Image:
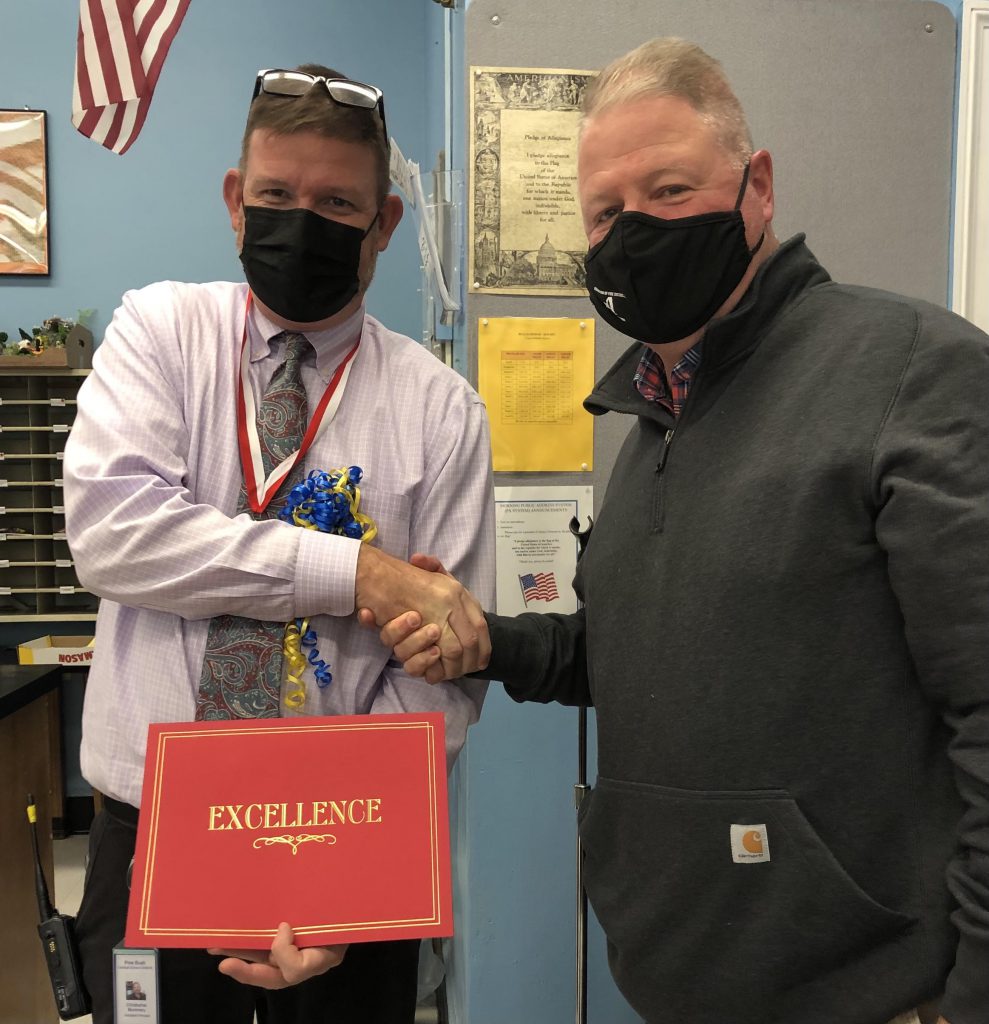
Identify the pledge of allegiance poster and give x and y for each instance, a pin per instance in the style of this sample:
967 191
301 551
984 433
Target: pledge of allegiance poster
526 233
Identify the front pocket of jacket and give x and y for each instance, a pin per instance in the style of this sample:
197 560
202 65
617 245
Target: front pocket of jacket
685 920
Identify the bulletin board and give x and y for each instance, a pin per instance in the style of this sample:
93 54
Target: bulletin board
854 99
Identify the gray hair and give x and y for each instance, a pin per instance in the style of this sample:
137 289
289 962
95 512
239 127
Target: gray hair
673 67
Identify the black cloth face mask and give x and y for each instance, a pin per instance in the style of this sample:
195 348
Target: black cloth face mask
302 266
660 280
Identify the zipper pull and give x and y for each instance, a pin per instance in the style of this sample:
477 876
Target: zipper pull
666 450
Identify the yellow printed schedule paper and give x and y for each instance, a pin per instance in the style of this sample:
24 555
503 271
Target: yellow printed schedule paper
533 374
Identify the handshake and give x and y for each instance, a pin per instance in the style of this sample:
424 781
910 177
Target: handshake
435 625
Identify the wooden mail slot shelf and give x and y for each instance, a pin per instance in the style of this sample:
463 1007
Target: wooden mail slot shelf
37 576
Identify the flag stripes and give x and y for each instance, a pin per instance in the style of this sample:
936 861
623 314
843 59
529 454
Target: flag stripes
538 586
120 50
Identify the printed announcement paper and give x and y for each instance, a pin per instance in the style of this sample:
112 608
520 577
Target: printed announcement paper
337 825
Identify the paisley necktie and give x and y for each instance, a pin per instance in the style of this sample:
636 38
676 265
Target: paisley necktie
242 669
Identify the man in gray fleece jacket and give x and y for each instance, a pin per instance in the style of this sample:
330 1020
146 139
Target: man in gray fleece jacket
786 624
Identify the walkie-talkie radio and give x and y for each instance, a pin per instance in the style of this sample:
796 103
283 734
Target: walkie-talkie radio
57 939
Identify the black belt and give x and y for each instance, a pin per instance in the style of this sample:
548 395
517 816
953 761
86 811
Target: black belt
124 813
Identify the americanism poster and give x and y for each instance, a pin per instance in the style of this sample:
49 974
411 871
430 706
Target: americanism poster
536 549
526 232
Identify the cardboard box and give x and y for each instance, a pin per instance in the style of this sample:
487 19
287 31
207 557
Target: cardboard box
56 650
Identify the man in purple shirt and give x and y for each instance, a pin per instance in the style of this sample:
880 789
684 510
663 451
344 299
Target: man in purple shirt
162 468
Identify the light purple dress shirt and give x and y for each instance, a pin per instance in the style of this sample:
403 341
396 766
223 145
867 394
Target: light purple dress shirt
152 480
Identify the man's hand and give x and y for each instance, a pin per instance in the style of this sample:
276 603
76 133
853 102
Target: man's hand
283 966
414 644
388 589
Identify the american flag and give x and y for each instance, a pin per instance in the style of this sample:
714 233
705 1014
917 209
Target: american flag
121 47
538 586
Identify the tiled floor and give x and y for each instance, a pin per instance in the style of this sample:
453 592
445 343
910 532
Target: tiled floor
70 871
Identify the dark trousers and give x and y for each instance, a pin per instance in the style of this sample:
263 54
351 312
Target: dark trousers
375 984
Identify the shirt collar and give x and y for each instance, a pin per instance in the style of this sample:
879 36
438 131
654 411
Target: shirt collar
331 344
684 369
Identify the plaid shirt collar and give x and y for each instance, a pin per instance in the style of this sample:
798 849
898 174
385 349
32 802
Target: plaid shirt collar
650 378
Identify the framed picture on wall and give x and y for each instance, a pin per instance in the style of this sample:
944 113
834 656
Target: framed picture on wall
23 192
526 235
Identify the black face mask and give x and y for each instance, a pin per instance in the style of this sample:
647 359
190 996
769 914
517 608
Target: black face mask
301 266
660 280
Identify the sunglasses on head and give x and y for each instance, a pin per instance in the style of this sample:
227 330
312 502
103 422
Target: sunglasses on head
277 82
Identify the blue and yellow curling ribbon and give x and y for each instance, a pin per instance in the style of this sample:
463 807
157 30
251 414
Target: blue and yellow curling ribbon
328 502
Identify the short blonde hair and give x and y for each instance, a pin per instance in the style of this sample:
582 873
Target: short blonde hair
674 67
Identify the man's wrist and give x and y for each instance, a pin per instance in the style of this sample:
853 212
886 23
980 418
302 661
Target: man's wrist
369 578
326 571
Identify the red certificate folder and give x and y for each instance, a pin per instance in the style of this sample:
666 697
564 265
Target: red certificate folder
338 826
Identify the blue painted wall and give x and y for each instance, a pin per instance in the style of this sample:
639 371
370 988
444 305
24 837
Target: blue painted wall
156 212
119 222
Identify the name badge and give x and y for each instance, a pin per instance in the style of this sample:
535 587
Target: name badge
135 986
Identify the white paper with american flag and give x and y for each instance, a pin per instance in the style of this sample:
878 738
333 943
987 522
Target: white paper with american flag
120 50
536 554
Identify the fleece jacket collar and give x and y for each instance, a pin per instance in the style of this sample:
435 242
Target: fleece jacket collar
791 270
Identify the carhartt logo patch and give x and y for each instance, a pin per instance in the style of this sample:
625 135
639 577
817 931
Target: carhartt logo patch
749 844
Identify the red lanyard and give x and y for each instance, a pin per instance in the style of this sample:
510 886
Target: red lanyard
260 494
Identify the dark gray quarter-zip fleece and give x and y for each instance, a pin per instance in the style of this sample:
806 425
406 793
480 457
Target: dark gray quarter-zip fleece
787 628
